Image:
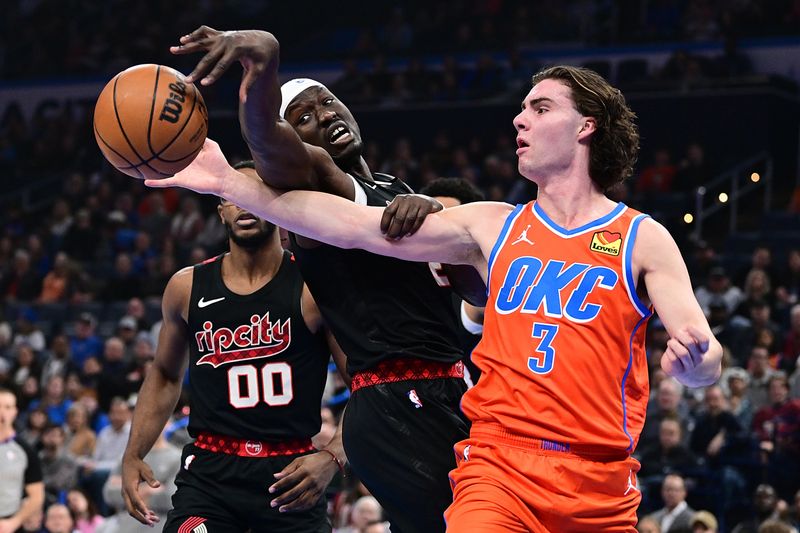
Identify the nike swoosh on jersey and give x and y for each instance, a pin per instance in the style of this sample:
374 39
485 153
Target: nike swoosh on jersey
205 303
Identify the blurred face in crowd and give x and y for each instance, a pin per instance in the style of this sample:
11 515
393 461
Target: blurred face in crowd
778 390
8 411
673 491
77 502
55 388
759 361
60 346
765 499
58 519
53 438
365 510
76 417
114 350
669 433
668 396
119 414
715 400
737 385
648 525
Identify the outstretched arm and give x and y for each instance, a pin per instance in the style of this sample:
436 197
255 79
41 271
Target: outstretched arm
157 397
462 235
282 159
693 354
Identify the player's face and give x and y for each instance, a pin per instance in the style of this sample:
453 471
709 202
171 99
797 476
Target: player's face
244 228
549 131
8 410
322 120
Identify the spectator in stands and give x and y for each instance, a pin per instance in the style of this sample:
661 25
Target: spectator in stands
777 427
84 343
80 241
716 429
648 525
27 332
787 360
21 282
676 515
54 401
668 403
693 170
59 469
35 423
188 222
108 452
143 253
760 374
123 283
765 505
749 334
737 380
365 510
657 177
704 522
84 511
58 519
757 288
56 286
718 288
760 259
668 454
127 329
25 365
58 360
81 439
787 291
21 487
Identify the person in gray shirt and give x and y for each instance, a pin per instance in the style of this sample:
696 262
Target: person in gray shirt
20 471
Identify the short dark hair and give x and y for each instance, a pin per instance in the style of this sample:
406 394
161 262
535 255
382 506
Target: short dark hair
615 145
459 188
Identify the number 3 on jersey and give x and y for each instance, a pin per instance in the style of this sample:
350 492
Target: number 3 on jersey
544 361
276 385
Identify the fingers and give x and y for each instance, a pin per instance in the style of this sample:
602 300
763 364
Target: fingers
673 360
136 507
701 337
296 498
388 215
398 222
199 39
251 75
204 67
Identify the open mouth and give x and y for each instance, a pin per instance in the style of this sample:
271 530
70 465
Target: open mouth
521 143
246 220
339 133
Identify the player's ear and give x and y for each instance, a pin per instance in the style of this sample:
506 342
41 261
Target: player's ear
219 210
588 126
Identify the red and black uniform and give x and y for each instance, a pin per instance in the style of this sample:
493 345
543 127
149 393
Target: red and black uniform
256 377
400 334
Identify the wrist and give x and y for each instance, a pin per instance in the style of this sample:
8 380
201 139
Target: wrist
335 460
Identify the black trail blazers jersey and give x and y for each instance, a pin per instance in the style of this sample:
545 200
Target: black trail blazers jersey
380 307
255 369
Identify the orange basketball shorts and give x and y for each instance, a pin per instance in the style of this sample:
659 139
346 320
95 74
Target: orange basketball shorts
518 484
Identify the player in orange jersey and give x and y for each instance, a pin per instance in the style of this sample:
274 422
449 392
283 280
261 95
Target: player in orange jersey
572 278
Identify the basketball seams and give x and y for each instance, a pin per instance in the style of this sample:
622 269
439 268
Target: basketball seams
152 109
111 148
178 134
119 120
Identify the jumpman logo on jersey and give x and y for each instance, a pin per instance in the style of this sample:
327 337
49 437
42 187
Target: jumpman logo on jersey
631 485
523 237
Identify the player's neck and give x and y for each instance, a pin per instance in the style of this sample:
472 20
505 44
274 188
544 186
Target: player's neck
358 167
572 201
245 267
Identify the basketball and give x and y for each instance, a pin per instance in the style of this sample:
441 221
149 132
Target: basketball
149 123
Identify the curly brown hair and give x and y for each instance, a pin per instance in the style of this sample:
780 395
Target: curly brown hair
615 144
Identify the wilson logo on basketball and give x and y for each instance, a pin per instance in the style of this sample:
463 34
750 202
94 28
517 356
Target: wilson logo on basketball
261 338
173 105
606 242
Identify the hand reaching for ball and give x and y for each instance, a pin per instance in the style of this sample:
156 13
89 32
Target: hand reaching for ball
252 48
206 174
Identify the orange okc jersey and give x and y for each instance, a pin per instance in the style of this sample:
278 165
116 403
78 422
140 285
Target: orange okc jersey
562 353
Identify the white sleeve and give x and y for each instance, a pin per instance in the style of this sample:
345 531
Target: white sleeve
470 325
361 196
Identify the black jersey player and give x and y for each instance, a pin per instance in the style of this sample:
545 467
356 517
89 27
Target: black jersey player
394 322
257 361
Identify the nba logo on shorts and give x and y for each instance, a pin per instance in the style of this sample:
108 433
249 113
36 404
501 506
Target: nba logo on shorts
253 448
412 395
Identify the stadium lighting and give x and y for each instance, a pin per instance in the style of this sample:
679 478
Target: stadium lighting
688 218
723 197
755 177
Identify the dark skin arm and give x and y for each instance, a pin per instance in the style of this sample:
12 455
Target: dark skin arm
302 483
283 160
158 396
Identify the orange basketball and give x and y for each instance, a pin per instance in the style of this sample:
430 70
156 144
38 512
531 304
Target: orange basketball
149 123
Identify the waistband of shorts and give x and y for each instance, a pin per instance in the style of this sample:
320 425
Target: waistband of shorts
251 448
497 434
404 369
